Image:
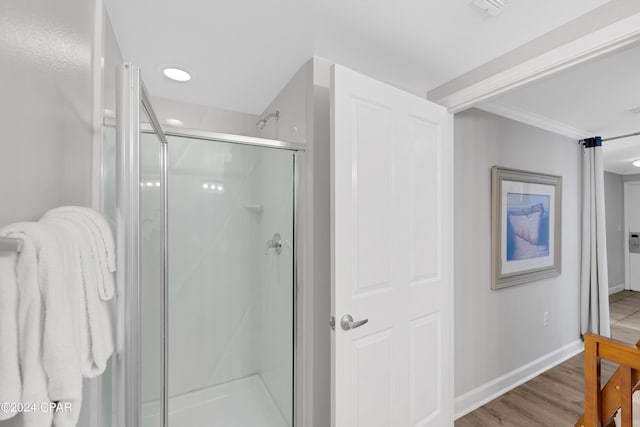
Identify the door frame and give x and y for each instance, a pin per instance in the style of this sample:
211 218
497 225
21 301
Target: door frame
494 79
625 240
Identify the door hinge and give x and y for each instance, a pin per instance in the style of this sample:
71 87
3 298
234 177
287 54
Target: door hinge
332 322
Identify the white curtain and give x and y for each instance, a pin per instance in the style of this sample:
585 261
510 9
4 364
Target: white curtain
594 283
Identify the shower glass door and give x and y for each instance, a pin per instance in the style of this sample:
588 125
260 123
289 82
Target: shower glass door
231 284
206 266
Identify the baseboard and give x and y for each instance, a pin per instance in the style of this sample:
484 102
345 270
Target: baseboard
493 389
617 288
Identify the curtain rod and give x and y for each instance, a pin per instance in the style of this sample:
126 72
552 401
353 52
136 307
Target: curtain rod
622 136
629 135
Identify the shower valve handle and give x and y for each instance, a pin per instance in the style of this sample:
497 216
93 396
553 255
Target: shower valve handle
275 243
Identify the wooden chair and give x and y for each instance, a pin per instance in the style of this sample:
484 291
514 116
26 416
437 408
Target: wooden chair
601 404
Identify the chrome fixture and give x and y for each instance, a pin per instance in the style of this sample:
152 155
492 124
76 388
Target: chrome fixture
9 244
263 122
275 243
206 135
347 322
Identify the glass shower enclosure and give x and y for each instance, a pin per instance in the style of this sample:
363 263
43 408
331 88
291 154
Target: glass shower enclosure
207 273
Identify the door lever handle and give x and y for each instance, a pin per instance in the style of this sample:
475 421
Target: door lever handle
347 322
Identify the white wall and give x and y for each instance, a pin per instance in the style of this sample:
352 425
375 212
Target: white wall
46 106
320 188
292 103
206 118
614 212
499 335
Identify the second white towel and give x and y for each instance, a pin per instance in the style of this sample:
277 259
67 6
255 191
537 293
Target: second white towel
100 243
92 315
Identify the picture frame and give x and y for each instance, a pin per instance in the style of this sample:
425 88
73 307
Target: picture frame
526 226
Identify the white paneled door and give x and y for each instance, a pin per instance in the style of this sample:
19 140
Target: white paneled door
392 209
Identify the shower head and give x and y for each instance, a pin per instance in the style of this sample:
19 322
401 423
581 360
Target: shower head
263 122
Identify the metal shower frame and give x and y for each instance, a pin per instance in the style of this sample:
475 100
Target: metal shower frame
132 94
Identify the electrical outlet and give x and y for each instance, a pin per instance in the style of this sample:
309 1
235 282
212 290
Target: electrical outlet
545 318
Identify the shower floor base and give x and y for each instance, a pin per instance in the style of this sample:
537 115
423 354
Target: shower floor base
240 403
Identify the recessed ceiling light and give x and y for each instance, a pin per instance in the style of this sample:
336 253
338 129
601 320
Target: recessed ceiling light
174 122
636 163
177 74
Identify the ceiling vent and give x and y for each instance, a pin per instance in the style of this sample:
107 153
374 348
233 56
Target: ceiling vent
635 110
492 7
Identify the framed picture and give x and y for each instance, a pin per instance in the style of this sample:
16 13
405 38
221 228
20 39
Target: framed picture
526 213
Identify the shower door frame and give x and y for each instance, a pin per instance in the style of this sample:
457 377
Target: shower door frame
131 94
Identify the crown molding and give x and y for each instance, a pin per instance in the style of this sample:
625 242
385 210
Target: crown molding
457 97
533 119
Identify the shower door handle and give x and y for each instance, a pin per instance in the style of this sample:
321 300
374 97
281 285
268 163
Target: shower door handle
347 322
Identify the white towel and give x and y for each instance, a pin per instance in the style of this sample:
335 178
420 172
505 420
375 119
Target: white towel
92 315
102 244
57 337
104 228
30 322
10 382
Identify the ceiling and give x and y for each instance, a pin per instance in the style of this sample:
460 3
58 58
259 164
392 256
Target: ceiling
592 99
242 52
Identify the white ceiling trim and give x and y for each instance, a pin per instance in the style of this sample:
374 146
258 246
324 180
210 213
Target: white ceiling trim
591 46
533 119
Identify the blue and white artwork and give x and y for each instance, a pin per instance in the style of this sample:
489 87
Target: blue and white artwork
527 226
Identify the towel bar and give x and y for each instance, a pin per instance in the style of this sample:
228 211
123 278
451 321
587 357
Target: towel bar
10 244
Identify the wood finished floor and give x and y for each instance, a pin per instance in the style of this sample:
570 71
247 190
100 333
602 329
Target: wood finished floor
555 398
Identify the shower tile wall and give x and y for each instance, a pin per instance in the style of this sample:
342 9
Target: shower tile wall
213 298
